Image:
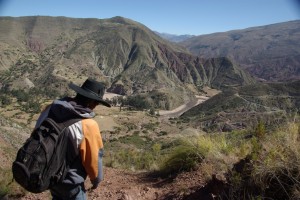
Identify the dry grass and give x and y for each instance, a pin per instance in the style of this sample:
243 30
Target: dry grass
271 170
257 167
278 164
213 153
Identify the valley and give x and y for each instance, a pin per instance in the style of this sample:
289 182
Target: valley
208 117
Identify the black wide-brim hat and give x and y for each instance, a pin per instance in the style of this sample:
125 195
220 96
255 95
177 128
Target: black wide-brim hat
91 89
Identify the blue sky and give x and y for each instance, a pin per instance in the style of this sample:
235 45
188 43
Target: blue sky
195 17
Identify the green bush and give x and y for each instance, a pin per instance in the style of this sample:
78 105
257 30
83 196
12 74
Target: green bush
260 130
5 100
183 158
137 102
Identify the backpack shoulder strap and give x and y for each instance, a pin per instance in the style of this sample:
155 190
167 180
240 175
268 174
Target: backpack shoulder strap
67 123
70 122
63 124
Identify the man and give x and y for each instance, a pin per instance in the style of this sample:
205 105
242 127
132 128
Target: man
85 146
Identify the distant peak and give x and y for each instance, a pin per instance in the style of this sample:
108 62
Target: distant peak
121 20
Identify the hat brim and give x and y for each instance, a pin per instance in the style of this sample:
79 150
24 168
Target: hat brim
89 95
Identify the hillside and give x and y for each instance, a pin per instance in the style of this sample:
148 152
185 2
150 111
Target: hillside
232 144
243 107
269 52
122 131
224 157
43 54
50 52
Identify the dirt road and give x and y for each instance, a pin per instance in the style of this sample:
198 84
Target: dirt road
171 113
183 108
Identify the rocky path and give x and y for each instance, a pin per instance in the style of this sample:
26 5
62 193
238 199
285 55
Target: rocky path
124 185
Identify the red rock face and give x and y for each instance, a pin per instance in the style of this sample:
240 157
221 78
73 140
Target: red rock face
35 45
173 61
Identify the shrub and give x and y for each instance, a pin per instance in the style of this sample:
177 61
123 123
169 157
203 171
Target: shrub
260 130
130 126
5 100
137 102
184 157
152 111
150 126
162 133
278 169
273 169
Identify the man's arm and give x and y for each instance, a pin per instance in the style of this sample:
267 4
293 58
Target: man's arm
91 151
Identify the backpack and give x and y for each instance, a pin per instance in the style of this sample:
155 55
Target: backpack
41 161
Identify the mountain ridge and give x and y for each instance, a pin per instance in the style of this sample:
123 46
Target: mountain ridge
268 52
132 59
37 65
129 57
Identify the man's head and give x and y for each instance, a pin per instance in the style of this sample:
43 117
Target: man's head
92 92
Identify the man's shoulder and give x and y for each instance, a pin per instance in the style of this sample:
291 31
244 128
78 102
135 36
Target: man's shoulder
89 122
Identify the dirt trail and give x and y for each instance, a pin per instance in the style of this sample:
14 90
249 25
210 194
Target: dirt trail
124 185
